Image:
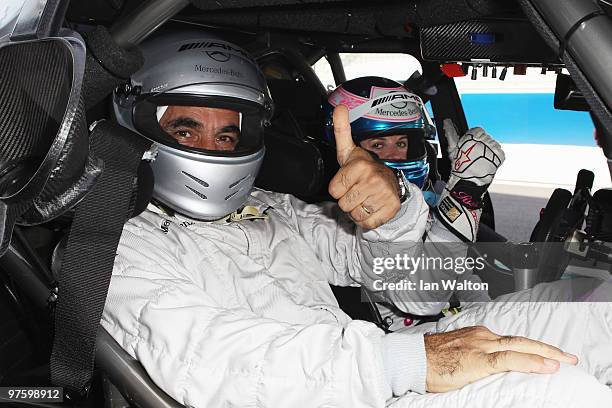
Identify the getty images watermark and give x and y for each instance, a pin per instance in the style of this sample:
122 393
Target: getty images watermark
453 267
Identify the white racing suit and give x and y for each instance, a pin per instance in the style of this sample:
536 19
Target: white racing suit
454 222
241 314
398 307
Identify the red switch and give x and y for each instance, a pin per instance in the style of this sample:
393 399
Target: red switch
452 70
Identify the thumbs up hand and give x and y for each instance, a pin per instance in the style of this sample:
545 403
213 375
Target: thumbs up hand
365 189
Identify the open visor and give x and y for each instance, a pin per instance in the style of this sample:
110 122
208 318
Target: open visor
414 138
222 126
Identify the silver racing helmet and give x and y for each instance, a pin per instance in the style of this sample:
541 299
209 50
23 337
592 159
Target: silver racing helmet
196 70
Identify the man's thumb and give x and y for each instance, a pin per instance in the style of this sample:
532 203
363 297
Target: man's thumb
342 133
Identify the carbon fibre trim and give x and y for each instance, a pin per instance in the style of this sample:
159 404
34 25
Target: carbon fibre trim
514 41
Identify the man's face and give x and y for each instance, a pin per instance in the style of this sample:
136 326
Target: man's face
394 147
202 128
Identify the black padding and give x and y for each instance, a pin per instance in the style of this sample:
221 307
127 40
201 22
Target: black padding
90 253
118 61
295 163
107 65
291 165
299 101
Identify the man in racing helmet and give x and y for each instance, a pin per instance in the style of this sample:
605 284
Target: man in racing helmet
222 291
206 121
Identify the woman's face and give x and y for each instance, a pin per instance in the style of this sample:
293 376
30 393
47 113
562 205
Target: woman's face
394 147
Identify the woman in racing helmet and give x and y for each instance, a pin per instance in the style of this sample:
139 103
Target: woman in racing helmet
186 81
391 122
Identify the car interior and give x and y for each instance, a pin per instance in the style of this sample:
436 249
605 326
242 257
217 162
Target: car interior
450 38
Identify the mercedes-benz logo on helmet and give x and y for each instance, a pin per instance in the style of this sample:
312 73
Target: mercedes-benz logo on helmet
219 56
400 105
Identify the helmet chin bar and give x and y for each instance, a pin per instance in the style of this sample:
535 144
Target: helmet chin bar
201 186
415 172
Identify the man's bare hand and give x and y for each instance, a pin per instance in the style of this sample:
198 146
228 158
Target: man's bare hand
460 357
366 189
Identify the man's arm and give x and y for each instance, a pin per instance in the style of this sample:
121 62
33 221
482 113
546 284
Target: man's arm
204 351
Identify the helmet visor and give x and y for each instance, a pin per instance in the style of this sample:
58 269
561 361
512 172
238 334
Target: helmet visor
216 126
401 146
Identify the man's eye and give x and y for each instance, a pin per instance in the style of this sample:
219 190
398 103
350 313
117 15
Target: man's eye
401 144
182 133
225 139
378 146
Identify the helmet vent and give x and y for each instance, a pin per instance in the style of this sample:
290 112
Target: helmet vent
231 195
235 183
196 192
194 178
